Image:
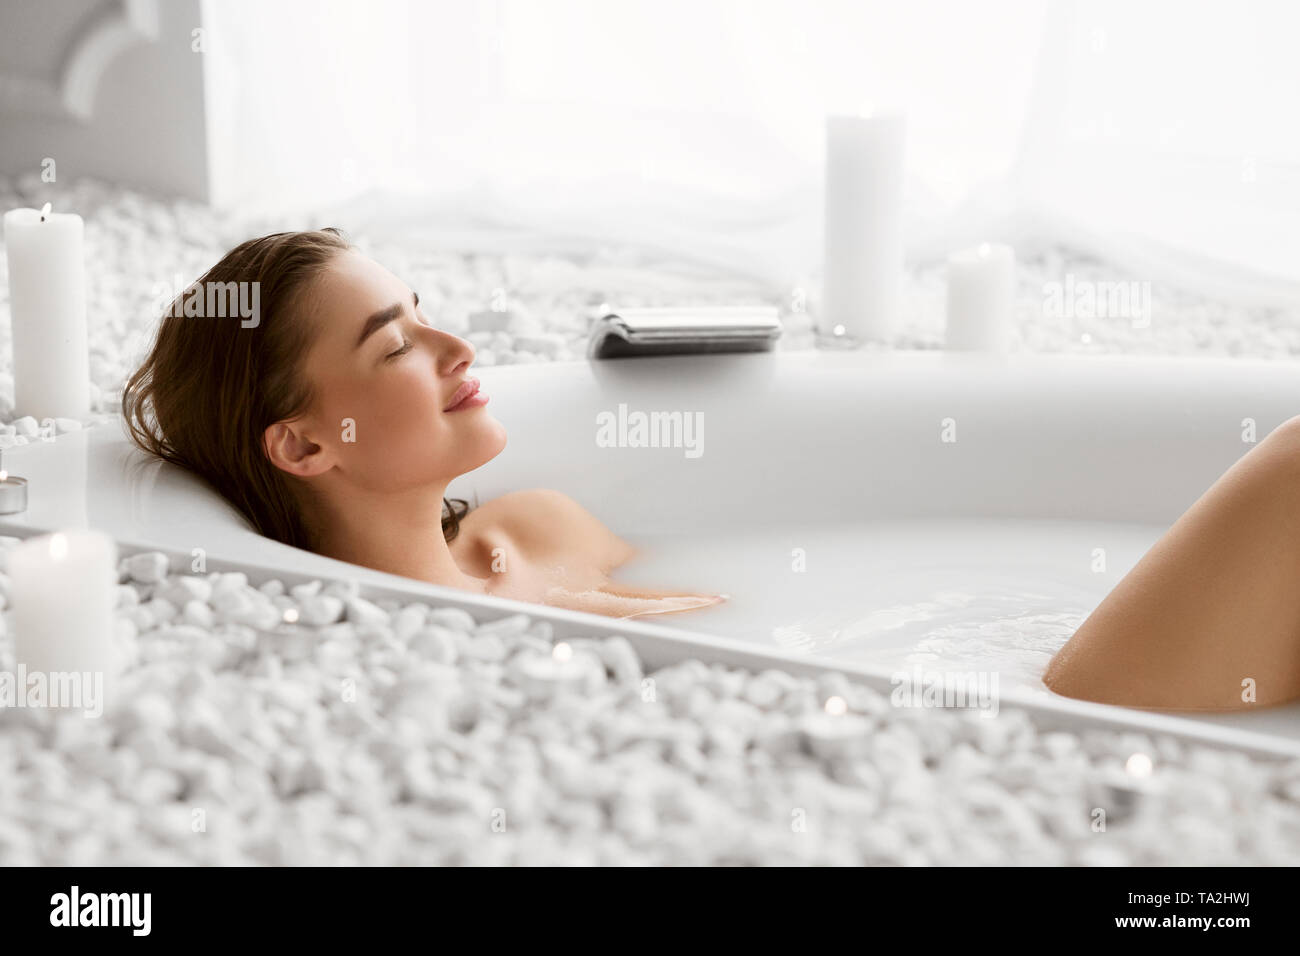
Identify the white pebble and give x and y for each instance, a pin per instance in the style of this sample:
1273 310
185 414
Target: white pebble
272 588
484 647
140 617
149 567
161 609
155 785
185 588
345 589
308 589
229 581
512 626
320 610
621 659
455 618
366 613
184 633
778 735
435 643
233 604
151 709
408 621
198 614
268 667
762 691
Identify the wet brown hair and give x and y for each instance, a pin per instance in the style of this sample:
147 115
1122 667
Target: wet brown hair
210 387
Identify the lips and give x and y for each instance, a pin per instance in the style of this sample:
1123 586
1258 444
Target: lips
468 389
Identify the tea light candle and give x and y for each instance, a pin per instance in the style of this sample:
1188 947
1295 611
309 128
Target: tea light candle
61 587
47 305
1125 791
13 493
561 671
863 253
981 297
833 732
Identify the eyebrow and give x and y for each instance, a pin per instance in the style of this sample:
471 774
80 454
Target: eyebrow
382 318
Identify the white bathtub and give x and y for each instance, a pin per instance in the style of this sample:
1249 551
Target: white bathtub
975 554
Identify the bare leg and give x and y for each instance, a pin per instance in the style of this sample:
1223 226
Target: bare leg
1212 608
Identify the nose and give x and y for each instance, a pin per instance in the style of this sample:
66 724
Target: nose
456 355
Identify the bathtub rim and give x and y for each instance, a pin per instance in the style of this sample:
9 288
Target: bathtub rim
659 646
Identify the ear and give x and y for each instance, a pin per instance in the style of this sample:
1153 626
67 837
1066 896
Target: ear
291 451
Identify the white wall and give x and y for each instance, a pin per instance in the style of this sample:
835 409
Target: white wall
308 100
105 88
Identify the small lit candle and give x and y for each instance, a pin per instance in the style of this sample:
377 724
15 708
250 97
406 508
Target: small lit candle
560 672
1124 792
833 732
62 588
981 297
13 493
47 307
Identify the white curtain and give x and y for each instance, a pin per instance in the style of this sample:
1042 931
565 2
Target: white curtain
1161 132
1169 133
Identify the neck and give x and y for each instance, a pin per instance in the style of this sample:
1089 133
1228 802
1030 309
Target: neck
396 533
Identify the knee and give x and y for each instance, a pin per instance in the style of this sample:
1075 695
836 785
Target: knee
1276 459
1285 438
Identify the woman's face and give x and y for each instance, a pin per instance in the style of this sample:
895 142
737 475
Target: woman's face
383 378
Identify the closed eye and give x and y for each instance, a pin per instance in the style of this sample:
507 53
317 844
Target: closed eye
406 346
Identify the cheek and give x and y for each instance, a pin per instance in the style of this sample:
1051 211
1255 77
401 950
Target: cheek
401 436
401 413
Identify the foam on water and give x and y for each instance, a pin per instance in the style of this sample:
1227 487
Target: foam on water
963 593
953 595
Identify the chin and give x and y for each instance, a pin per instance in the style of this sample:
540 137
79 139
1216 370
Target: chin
492 442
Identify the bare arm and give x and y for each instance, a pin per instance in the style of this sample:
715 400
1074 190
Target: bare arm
614 600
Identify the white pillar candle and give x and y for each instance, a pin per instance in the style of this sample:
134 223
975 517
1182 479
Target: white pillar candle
981 297
863 253
62 588
47 306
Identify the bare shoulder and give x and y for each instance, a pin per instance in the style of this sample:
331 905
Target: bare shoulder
543 521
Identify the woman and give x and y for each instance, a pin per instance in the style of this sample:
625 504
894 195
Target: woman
335 419
1209 619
